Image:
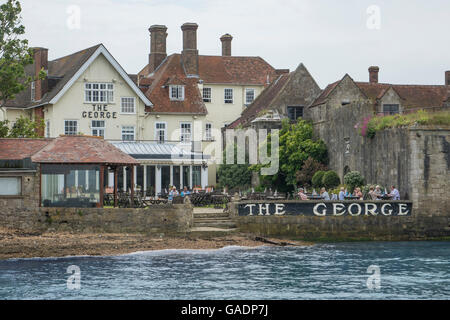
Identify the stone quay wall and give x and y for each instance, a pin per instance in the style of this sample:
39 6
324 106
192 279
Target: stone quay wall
167 219
307 226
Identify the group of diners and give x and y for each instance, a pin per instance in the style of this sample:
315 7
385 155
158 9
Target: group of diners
373 194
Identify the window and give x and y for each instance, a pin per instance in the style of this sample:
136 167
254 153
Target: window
176 93
47 129
33 91
98 128
208 131
249 96
99 92
228 95
294 113
70 127
128 133
186 132
127 105
390 109
160 131
10 186
206 94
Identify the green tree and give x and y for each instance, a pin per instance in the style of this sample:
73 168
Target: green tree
14 52
26 128
296 145
234 175
317 179
353 179
331 179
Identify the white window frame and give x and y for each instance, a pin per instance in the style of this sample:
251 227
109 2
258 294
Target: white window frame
107 92
225 96
205 98
208 133
128 133
179 93
157 130
183 135
47 128
77 127
33 91
247 90
98 128
3 189
122 105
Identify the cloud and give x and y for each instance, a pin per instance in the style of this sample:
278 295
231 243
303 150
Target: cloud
331 38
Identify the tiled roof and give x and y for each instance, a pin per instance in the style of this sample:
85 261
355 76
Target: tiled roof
322 98
212 69
235 70
158 91
81 150
262 102
414 96
19 149
60 71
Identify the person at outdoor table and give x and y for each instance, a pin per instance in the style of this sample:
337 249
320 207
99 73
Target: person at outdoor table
172 193
324 194
185 192
358 193
302 195
342 194
394 193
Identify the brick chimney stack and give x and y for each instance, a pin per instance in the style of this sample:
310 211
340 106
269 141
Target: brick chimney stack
447 78
373 74
226 44
158 51
190 52
40 62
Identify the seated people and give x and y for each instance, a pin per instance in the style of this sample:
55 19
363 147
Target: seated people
358 193
394 193
185 192
302 195
342 194
324 194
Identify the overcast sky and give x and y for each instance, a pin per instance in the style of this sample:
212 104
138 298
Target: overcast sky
407 39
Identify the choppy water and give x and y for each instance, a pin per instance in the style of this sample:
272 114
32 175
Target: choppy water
408 270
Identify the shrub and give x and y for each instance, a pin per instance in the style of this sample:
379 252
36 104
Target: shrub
317 179
330 179
353 179
305 174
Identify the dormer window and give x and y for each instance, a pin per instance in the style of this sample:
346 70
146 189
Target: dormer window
176 93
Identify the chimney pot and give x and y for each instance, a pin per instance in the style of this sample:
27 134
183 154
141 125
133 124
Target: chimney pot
373 74
226 44
447 78
158 51
190 52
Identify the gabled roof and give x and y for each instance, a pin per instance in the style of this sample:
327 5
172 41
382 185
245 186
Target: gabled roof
81 150
63 72
171 72
262 102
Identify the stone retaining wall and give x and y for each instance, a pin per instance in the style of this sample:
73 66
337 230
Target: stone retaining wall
167 219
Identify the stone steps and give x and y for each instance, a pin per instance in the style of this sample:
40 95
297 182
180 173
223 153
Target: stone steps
212 220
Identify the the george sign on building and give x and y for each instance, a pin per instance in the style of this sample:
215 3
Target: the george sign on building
326 208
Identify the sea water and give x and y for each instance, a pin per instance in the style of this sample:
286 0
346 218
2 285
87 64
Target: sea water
359 270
